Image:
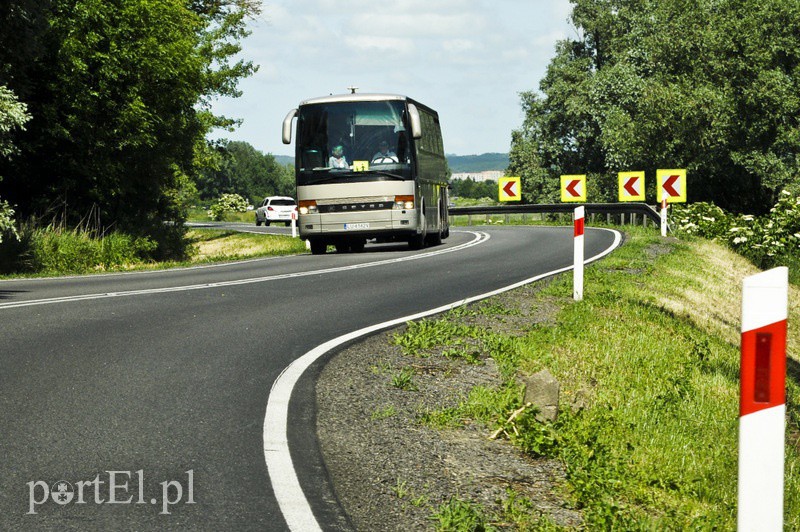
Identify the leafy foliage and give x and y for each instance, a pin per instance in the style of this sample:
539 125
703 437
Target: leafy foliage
469 188
243 170
634 91
13 115
120 98
7 221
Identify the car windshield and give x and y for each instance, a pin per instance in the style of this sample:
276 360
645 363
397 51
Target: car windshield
353 141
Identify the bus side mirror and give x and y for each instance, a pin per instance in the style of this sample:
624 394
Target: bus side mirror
416 123
287 126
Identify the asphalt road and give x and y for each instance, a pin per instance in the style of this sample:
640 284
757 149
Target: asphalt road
137 401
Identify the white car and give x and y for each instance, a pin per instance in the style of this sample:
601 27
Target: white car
276 209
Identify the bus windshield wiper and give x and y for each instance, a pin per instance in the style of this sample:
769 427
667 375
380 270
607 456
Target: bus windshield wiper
338 175
332 177
388 174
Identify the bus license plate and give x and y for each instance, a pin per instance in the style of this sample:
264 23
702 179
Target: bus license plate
350 227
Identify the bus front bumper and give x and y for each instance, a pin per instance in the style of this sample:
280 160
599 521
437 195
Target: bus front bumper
402 223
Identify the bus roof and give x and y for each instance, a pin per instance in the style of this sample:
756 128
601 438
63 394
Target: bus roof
362 97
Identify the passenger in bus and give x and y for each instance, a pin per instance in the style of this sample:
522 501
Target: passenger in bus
337 159
384 155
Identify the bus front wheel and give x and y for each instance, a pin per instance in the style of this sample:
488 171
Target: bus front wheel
417 241
318 247
357 246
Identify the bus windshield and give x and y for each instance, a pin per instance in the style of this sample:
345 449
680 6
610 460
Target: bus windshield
352 141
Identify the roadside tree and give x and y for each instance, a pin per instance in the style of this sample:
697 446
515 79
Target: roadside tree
13 116
711 86
120 97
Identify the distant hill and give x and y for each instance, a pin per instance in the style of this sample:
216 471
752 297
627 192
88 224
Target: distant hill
284 159
477 163
458 163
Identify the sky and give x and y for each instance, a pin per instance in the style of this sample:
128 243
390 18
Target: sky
467 59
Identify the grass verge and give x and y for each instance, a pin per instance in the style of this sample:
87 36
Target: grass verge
214 245
48 252
649 369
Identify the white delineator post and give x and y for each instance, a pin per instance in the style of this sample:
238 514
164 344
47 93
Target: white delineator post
294 224
762 404
577 292
664 217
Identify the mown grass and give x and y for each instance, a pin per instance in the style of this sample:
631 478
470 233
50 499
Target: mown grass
649 368
215 245
201 215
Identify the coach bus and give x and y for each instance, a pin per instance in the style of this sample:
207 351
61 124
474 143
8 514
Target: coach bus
368 166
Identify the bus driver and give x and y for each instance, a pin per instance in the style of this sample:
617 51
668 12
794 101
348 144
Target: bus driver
384 155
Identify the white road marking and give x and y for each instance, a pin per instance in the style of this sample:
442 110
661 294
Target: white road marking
478 238
285 485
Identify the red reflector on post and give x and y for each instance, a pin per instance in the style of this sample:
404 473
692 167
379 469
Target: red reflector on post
762 377
763 371
579 223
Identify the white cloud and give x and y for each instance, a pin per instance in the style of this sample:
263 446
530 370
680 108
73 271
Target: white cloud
369 43
460 46
468 59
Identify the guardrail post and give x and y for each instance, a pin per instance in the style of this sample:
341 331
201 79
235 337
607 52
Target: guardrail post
762 406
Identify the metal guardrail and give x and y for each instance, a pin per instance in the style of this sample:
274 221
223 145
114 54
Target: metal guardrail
643 209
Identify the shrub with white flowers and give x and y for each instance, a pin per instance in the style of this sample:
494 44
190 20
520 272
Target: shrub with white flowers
7 221
762 239
227 203
702 219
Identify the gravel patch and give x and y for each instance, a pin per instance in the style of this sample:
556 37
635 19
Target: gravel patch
390 472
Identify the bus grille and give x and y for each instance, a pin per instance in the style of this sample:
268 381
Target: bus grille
356 207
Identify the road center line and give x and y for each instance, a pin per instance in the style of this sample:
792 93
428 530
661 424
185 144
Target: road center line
292 501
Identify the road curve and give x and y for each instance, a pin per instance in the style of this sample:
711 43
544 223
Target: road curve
137 401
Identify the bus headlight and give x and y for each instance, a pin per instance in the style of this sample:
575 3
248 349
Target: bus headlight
404 202
307 207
